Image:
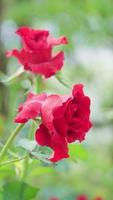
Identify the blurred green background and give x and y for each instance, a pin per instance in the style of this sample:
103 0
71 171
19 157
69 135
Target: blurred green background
88 25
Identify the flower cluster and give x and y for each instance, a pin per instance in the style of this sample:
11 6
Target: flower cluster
64 119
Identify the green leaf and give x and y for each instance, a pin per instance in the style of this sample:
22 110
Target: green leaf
27 144
78 151
16 190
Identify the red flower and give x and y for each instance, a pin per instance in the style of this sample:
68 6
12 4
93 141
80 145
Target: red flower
64 120
82 197
98 198
36 54
31 108
54 198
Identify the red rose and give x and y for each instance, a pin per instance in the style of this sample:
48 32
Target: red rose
64 120
82 197
31 108
36 54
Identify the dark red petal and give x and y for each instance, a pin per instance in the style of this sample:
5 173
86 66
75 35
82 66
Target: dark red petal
85 106
69 110
77 91
78 131
60 148
43 137
60 126
59 120
54 141
59 112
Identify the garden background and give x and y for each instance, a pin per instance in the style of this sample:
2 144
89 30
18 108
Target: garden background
88 25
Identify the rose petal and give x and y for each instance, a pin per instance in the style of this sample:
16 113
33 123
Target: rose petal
48 68
78 131
47 109
57 41
43 137
31 108
33 39
54 141
28 58
77 91
61 126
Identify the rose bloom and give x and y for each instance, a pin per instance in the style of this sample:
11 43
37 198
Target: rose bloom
82 197
65 119
36 54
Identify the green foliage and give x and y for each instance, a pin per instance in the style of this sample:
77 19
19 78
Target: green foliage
78 152
16 190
